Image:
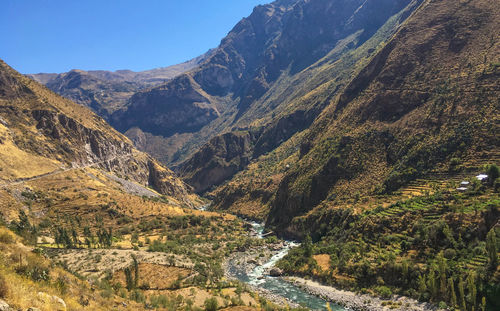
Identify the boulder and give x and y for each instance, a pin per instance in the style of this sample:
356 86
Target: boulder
4 306
252 262
57 302
275 272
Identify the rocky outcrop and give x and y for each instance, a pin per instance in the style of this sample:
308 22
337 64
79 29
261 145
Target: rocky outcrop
218 160
103 97
187 110
5 306
165 182
55 302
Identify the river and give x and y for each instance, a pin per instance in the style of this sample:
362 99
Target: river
258 277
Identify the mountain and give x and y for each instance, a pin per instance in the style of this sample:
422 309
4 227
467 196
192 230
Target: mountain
257 75
105 91
421 101
368 130
45 136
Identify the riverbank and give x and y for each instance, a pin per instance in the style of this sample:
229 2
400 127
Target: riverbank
246 262
359 302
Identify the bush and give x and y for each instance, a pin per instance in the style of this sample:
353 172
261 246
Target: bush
159 301
36 272
211 304
442 305
450 253
137 296
384 291
4 289
6 238
62 285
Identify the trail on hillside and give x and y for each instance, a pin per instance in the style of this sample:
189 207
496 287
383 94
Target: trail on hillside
60 171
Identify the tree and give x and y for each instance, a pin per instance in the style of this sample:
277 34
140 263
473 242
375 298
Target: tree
461 293
136 271
432 284
442 267
24 228
89 239
491 247
472 289
493 173
451 290
76 241
422 284
128 279
308 246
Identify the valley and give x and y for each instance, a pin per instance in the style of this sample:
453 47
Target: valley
326 155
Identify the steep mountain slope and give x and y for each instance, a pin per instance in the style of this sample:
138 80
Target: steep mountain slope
355 171
249 79
430 95
105 91
43 135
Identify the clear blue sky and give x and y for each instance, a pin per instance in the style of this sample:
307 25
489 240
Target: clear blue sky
60 35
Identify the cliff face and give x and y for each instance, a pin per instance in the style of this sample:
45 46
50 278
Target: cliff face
218 160
188 109
63 136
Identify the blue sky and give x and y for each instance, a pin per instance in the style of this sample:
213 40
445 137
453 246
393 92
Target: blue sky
60 35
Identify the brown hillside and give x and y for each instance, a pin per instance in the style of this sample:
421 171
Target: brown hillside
431 94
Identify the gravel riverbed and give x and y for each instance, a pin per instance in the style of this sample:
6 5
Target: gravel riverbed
359 302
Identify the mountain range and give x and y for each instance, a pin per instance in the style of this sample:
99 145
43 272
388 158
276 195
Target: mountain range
358 127
289 89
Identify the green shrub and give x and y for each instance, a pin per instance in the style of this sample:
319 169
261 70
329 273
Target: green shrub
384 291
137 296
442 305
211 304
62 285
36 272
107 293
450 253
159 301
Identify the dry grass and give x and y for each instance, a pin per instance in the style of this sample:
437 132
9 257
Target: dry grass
95 263
16 163
323 261
156 276
4 288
